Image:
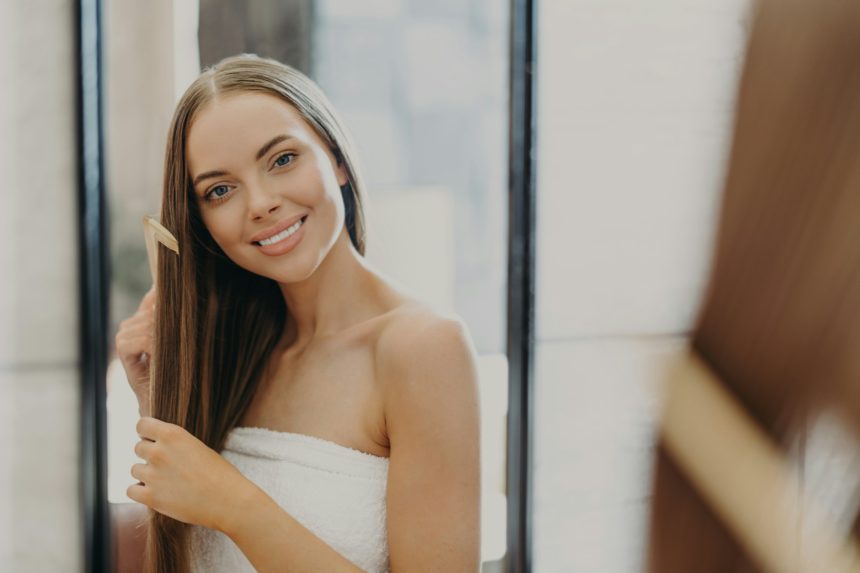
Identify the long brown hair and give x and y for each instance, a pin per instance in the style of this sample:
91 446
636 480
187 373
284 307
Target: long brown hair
216 323
780 323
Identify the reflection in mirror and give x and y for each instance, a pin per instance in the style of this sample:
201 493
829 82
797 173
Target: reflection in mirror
423 89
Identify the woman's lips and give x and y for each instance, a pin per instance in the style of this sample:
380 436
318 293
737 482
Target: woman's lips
275 229
285 245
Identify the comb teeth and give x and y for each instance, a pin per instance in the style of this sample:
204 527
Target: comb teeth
155 233
161 234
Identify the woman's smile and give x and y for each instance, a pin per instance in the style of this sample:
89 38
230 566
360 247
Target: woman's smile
282 239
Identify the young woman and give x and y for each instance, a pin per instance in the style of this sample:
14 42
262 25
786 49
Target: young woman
344 411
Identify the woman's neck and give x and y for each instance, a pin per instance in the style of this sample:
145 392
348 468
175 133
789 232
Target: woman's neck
341 292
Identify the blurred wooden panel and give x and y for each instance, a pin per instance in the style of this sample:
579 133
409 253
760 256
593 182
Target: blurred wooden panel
279 29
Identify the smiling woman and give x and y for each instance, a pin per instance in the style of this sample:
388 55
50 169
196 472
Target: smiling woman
255 202
345 411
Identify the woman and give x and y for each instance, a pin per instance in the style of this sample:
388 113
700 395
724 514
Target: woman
350 408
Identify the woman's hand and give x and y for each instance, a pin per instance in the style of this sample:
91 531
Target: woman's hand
134 343
183 478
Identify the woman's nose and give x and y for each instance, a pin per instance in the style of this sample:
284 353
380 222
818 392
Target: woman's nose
262 201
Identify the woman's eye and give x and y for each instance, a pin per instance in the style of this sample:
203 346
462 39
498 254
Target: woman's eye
284 159
218 191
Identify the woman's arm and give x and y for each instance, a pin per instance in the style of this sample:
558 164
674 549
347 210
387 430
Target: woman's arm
433 493
273 541
432 413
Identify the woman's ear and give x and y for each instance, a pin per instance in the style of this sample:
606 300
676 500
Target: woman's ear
342 175
340 168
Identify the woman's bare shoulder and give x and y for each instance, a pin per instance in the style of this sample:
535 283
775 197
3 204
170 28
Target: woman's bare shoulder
416 322
426 367
417 336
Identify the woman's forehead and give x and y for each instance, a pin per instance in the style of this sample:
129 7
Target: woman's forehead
245 110
237 124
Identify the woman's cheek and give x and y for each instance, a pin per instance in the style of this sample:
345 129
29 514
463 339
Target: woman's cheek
225 226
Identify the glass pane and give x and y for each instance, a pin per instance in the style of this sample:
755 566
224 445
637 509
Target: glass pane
423 88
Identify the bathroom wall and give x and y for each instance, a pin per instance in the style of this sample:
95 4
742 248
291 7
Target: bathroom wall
40 529
634 116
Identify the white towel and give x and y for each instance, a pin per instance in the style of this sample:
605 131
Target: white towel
335 491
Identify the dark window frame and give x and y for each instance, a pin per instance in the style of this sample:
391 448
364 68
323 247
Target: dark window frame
93 268
521 283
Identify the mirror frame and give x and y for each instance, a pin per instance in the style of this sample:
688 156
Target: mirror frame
94 273
522 199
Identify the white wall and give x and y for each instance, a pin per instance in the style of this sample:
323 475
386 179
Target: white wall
39 378
634 118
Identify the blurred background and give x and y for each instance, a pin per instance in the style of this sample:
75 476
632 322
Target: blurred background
634 115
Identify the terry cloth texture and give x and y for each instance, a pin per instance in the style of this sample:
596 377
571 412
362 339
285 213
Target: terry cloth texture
335 491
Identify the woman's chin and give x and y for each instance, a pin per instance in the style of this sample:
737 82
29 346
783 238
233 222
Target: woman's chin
283 272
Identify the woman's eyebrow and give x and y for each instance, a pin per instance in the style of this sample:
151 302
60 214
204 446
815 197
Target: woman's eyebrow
263 150
270 144
207 175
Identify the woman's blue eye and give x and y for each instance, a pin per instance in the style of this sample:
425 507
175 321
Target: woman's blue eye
284 159
219 190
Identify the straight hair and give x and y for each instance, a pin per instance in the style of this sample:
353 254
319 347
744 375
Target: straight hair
217 323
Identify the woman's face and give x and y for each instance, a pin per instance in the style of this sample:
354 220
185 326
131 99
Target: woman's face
268 186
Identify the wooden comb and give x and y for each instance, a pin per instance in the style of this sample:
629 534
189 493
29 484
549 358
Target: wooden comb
155 233
745 478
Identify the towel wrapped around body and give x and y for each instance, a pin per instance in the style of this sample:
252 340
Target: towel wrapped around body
336 492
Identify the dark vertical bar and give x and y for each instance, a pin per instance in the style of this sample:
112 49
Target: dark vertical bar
93 295
521 257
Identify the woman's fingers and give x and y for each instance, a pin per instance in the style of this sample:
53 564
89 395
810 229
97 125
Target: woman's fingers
139 493
133 334
130 349
153 429
134 337
140 472
134 345
145 450
148 300
148 451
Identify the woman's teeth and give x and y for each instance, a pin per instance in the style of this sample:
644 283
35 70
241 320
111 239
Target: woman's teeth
286 233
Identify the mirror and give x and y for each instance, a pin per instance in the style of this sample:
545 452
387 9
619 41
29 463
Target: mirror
423 87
